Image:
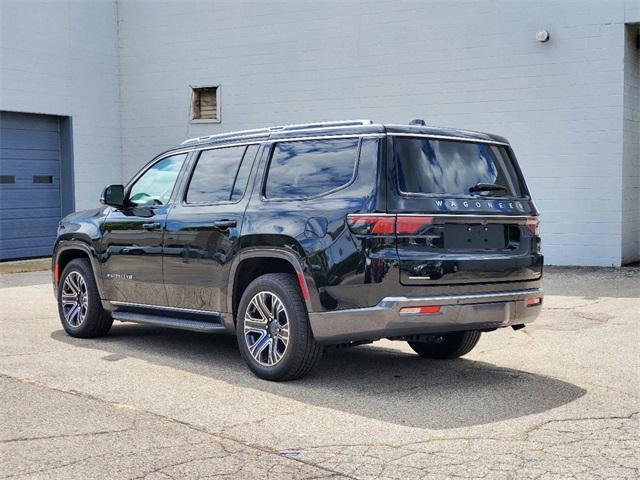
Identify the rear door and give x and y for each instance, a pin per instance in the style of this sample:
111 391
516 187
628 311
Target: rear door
464 212
204 226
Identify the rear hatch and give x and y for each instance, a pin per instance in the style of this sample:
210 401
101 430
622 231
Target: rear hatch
463 212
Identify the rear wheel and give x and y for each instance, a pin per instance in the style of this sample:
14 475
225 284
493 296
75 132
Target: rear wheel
447 346
273 329
79 304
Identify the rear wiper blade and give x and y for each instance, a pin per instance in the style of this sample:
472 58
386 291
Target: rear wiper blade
487 187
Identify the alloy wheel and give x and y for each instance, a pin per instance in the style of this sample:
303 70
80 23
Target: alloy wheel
266 328
75 300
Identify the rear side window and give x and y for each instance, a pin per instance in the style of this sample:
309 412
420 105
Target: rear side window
214 177
427 166
311 167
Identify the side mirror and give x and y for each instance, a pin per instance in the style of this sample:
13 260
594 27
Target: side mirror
113 195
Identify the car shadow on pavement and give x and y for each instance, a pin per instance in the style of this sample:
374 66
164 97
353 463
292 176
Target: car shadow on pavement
370 381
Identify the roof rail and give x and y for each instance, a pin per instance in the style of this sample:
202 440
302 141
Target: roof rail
255 131
265 131
309 126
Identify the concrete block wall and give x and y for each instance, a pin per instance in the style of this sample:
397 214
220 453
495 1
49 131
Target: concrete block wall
123 69
471 65
61 58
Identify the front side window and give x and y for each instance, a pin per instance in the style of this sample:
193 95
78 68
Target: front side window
155 186
445 167
215 174
307 168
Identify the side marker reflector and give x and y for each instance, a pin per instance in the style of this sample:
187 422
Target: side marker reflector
56 273
303 287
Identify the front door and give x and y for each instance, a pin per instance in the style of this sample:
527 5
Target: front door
132 236
204 226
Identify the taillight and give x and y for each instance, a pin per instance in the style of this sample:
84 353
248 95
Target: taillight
382 224
407 225
372 224
533 224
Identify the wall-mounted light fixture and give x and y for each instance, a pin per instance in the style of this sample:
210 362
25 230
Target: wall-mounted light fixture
542 36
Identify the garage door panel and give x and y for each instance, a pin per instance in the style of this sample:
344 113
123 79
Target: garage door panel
33 247
25 155
29 121
16 229
16 213
29 140
29 199
30 207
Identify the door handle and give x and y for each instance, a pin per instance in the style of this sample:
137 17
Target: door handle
151 226
225 224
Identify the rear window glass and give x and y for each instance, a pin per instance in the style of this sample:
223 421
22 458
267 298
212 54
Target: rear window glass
427 166
310 167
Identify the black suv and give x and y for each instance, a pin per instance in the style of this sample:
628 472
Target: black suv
297 237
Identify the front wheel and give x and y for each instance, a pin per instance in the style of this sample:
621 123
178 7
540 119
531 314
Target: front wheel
273 329
79 304
448 345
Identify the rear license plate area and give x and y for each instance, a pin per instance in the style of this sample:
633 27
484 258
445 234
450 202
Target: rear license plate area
474 237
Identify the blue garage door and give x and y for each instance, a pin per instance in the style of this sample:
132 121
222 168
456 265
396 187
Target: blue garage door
29 184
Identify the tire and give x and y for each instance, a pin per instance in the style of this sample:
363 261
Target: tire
450 345
263 331
88 319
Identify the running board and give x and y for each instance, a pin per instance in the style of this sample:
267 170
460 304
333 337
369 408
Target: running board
169 322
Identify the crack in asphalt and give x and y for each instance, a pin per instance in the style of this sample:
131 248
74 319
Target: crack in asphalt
66 435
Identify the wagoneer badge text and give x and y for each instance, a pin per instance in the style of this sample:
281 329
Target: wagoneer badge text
496 205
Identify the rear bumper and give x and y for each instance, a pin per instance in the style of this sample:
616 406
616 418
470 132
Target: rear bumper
460 312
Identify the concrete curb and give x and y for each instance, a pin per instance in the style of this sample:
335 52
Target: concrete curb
21 266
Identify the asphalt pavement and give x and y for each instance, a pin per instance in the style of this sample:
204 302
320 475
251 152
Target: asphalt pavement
559 399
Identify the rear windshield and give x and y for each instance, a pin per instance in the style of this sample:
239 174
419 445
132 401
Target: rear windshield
445 167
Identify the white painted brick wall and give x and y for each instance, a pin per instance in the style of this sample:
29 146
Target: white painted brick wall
123 72
60 58
468 65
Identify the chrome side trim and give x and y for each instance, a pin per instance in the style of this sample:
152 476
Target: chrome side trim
448 137
459 299
162 307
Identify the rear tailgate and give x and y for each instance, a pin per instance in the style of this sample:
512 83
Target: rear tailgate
447 235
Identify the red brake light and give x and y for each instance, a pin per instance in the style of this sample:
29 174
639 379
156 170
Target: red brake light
406 225
533 224
372 224
387 224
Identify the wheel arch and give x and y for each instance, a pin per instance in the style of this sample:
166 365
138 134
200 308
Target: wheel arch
251 263
69 250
